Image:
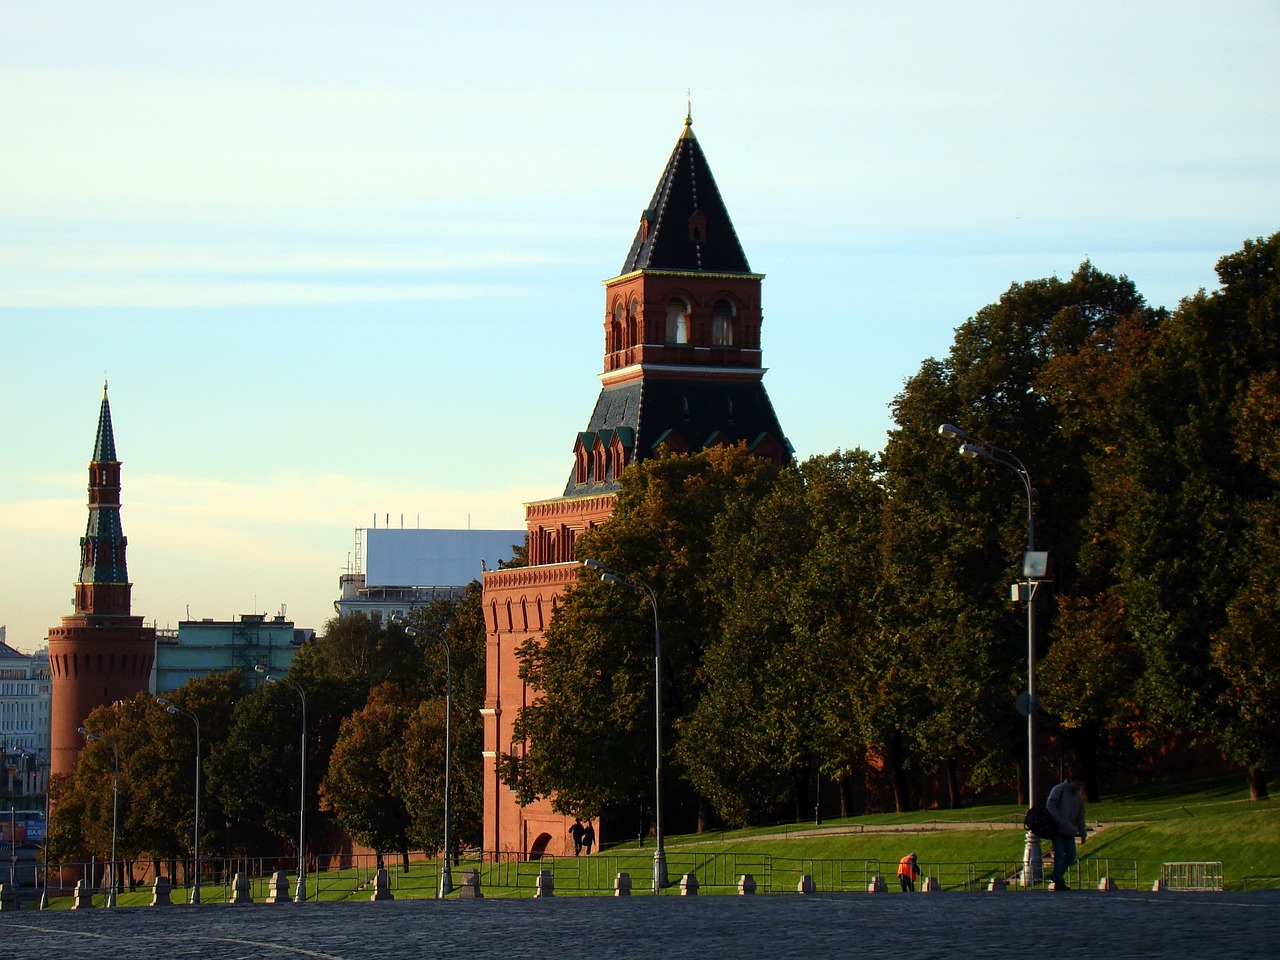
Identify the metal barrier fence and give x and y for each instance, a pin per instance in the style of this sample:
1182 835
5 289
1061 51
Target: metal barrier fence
1198 875
506 873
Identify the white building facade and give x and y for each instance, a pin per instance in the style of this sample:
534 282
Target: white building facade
26 697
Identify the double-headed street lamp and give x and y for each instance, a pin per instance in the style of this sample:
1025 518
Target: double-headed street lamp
115 807
626 580
300 894
175 709
1034 568
446 877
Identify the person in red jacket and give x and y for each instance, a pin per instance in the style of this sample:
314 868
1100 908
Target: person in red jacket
907 873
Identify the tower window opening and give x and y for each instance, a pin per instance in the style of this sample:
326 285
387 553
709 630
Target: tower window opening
722 324
677 321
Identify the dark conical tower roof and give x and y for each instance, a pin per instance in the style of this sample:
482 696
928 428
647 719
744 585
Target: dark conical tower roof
104 448
102 548
686 194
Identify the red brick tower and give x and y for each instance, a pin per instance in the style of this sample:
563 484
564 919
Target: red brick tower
101 653
682 369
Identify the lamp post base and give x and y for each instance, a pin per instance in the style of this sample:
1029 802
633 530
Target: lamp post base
300 894
195 894
446 880
1032 861
659 870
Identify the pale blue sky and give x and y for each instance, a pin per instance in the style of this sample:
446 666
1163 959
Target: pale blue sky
341 259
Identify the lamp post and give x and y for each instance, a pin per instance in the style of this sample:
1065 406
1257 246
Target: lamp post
446 876
626 580
175 709
48 814
300 894
115 808
1034 567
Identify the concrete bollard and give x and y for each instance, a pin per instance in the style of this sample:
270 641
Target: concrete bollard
746 885
82 899
240 892
546 884
930 885
9 897
1106 883
278 888
689 885
997 884
622 885
877 885
470 889
1157 886
160 890
381 886
806 885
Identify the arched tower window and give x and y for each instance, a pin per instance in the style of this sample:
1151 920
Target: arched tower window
614 342
677 321
722 324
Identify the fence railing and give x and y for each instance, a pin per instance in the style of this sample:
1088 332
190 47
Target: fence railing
1198 875
513 874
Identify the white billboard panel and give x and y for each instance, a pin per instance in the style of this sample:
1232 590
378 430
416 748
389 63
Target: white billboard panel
434 558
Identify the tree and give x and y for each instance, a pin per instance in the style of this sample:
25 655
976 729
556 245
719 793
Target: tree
588 735
360 784
796 575
1202 515
420 779
956 535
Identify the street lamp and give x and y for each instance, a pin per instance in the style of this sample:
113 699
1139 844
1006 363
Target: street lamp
48 817
446 877
1034 568
115 808
626 580
175 709
300 894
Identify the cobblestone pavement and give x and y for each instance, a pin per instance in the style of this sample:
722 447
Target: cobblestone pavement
921 927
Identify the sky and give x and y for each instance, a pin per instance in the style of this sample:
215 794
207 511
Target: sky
341 261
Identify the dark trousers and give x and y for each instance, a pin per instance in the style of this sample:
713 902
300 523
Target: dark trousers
1064 854
908 885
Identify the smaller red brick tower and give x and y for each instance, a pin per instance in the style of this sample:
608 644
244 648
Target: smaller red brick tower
101 653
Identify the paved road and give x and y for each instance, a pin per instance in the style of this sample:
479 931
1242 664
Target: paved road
947 925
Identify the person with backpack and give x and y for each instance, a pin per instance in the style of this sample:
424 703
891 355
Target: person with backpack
1066 806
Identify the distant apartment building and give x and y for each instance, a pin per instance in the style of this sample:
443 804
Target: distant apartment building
409 568
26 695
201 647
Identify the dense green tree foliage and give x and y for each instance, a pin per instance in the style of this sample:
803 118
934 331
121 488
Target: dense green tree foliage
589 736
1201 525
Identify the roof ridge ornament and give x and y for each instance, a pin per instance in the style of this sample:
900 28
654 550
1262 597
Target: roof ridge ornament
688 115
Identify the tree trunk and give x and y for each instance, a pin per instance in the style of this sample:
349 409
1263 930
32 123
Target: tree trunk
897 763
953 784
800 791
1020 768
404 861
1258 784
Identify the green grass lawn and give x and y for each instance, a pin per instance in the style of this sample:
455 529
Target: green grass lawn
1207 820
1211 819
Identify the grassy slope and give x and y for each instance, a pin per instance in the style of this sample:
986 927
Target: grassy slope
1207 820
